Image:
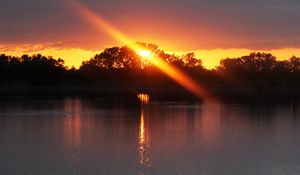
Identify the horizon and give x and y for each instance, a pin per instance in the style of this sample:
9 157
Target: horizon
74 57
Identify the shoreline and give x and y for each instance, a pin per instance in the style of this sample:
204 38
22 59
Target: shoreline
226 94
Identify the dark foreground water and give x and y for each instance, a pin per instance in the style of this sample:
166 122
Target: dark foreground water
91 136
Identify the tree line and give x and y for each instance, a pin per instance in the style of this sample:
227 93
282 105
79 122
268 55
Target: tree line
121 64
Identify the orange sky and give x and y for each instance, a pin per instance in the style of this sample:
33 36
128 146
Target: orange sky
75 56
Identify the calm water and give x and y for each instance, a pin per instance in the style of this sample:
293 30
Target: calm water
90 136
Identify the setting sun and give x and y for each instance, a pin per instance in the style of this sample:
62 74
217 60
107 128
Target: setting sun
149 87
144 53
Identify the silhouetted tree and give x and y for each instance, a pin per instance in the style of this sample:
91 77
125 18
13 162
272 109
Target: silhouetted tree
115 58
122 64
231 65
36 68
295 64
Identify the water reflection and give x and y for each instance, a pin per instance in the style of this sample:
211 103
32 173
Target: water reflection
72 122
144 98
88 136
209 123
144 147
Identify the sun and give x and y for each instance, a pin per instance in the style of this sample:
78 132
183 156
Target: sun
144 53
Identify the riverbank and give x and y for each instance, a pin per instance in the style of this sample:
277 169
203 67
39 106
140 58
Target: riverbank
167 93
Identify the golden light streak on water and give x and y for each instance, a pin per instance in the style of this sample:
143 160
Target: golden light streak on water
144 98
144 147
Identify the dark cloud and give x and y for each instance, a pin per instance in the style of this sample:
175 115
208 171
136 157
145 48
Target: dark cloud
233 23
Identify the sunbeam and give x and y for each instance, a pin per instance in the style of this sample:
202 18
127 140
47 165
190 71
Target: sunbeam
173 72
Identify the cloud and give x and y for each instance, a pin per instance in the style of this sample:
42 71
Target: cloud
210 21
28 48
73 56
271 45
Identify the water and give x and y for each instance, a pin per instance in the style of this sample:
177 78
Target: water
91 136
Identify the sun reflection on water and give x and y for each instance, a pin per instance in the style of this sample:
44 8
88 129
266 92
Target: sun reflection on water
72 122
144 98
72 125
144 147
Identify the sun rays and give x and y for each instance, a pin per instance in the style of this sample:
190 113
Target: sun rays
173 72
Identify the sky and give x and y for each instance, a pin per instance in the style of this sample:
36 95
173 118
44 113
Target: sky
213 29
